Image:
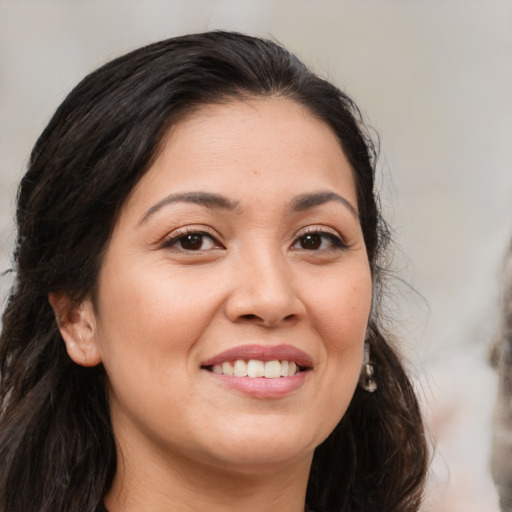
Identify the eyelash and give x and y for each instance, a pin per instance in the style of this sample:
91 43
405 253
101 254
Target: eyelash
317 235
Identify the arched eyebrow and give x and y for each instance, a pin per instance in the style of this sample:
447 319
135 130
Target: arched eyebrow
305 202
210 200
206 199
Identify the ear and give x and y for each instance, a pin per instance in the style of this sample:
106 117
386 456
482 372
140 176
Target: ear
77 325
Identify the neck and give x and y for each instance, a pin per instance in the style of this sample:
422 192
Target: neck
185 486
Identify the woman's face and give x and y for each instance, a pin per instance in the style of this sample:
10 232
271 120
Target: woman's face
240 251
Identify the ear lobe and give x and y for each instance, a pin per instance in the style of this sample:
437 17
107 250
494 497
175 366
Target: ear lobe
77 325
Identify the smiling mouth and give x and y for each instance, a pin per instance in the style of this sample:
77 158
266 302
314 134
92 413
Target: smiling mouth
255 368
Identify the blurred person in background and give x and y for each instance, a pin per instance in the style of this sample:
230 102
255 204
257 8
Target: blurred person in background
501 461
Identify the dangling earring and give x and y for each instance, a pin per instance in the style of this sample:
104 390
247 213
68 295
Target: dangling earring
366 380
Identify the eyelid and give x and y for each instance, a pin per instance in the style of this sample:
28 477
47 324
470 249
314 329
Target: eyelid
319 229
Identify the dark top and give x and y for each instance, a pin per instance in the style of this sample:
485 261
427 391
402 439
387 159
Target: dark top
102 508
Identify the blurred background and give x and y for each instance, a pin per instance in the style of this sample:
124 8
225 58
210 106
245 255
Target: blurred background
433 78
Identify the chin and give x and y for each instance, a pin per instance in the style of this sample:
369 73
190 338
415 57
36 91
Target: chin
265 461
259 449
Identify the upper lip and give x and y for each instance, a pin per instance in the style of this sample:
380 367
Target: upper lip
262 353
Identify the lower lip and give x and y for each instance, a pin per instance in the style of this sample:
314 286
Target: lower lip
260 387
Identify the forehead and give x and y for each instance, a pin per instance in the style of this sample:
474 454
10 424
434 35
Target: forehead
258 147
251 123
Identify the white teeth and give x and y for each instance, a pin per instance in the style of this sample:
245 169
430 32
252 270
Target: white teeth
272 369
240 368
257 369
227 369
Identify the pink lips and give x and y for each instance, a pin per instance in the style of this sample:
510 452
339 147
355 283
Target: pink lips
262 353
261 387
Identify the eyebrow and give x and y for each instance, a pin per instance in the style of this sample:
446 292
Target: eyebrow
206 199
307 201
300 203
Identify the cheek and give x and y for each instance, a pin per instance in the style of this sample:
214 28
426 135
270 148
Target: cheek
342 309
341 319
151 312
147 328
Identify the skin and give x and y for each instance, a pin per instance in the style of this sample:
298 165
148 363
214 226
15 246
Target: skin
187 441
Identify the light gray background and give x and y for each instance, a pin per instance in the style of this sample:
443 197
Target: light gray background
432 77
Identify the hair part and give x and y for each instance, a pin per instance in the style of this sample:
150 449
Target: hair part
56 442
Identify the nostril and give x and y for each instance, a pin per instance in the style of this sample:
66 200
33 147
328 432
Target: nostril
249 317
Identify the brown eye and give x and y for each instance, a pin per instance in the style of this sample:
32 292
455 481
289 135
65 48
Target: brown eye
318 241
193 241
311 241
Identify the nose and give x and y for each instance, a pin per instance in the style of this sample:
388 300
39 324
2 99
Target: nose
264 291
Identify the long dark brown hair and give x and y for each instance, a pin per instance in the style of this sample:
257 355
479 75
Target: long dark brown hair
57 449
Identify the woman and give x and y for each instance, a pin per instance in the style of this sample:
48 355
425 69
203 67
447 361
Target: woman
197 297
